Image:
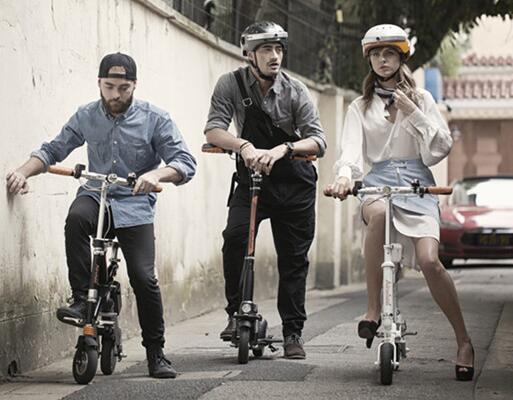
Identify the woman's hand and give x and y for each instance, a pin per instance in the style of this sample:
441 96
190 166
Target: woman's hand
339 189
403 102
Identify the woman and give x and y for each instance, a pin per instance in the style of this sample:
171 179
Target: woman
398 130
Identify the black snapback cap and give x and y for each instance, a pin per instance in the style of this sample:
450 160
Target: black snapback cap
118 60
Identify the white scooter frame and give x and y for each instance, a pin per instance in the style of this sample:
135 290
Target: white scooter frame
394 330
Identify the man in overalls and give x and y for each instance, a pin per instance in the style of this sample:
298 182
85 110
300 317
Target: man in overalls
275 119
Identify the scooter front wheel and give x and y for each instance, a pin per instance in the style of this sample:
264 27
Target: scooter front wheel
244 335
85 363
386 364
397 356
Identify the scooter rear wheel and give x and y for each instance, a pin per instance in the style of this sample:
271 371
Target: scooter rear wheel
244 335
85 363
108 357
386 366
258 351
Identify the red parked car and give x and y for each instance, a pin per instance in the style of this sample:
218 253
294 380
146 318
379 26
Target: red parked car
477 221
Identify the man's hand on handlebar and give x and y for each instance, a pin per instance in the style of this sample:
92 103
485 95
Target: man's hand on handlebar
261 160
16 182
267 158
340 188
147 182
249 154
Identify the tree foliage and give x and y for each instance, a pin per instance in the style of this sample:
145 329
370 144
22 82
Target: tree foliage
429 20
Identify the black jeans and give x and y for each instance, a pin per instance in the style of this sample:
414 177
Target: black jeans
138 246
293 231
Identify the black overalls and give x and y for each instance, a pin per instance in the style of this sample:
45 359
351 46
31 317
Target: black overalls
288 199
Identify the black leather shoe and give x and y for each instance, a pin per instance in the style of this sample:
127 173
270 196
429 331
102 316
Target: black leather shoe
293 347
75 313
158 365
230 329
367 330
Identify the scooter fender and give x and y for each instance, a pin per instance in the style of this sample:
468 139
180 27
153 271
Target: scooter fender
85 342
244 323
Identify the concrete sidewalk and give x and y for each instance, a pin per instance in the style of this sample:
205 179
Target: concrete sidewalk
494 377
55 381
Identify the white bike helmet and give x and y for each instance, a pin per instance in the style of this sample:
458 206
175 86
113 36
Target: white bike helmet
387 35
262 32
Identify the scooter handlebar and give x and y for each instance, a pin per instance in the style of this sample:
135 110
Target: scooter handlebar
358 188
60 170
439 189
210 148
79 171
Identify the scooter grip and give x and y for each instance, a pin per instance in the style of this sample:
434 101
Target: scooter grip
439 190
210 148
60 170
304 157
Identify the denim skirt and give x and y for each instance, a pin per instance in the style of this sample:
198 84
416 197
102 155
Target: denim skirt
413 216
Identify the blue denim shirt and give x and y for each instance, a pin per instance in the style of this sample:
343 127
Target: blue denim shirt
135 141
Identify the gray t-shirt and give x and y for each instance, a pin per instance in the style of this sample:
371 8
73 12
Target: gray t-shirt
287 102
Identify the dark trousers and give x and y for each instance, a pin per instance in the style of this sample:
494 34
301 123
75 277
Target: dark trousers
293 231
138 246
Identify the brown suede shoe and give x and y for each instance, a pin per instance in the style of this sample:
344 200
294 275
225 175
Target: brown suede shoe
293 348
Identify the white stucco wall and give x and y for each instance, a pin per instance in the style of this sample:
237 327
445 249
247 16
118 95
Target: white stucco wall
50 52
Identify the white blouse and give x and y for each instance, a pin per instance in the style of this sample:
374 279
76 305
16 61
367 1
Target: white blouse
369 137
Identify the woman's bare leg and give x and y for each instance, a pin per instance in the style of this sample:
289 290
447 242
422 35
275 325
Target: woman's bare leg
374 216
444 293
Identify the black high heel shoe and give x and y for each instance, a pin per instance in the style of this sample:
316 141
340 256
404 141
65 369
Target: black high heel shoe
464 373
367 330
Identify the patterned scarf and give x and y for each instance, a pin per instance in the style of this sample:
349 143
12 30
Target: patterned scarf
384 93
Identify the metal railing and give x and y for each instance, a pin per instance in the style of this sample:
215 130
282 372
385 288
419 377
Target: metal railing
320 48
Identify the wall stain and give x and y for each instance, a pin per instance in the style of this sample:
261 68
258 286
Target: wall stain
53 16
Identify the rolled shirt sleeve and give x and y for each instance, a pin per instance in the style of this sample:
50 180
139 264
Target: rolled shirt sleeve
222 106
59 148
173 150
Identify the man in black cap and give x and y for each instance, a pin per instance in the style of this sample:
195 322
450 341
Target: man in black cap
123 135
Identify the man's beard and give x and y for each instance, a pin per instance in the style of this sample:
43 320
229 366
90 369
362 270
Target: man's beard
115 107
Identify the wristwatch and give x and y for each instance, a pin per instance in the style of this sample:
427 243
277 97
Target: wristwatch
290 149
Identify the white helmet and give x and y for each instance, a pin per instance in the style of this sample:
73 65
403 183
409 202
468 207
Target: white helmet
260 33
387 35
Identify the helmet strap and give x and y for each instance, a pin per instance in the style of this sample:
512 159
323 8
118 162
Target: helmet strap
254 64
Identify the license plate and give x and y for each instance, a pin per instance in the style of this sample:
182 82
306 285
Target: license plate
495 240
